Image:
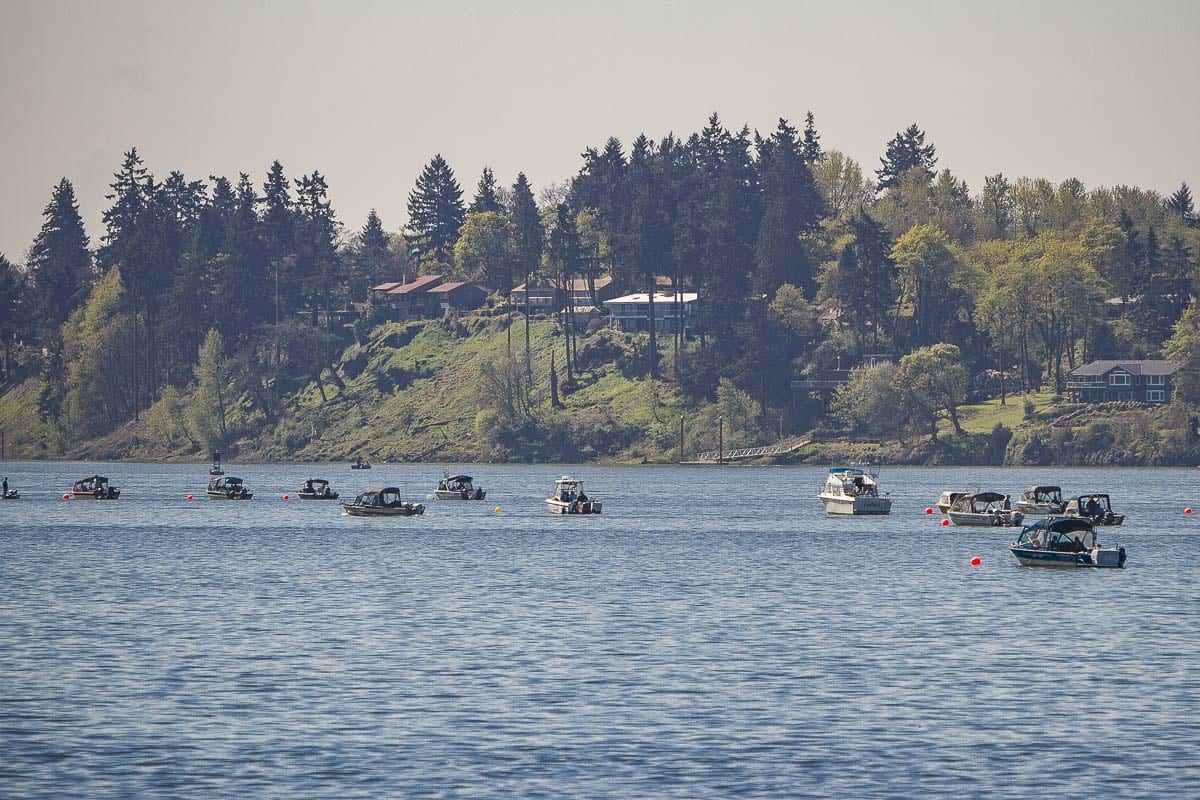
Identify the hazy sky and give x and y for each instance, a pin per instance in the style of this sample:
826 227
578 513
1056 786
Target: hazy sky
368 92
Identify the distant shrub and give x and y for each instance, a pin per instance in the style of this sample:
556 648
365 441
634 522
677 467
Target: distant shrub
1030 408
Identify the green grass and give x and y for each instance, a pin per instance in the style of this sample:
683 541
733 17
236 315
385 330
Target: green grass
982 417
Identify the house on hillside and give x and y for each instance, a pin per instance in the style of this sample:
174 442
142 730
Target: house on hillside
458 295
405 300
549 297
1142 381
672 312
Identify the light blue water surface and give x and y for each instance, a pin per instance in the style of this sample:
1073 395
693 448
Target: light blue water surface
714 634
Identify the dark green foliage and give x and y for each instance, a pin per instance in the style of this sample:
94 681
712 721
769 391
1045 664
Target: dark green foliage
60 264
15 317
486 198
435 212
791 208
905 151
1181 203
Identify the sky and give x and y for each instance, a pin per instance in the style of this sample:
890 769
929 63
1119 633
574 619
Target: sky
368 92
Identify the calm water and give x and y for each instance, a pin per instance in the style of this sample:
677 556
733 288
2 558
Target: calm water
713 634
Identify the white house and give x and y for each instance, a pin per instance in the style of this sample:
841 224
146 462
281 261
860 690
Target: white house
631 313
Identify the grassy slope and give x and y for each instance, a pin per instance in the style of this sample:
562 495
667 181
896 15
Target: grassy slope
982 417
418 401
18 419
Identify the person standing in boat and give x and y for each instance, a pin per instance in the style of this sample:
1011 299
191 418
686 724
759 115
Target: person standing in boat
4 493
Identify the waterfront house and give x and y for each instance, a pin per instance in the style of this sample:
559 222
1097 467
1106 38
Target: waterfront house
1142 381
457 295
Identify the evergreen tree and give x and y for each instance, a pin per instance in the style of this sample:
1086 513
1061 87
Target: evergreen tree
792 206
60 264
14 311
318 265
528 237
372 256
876 271
563 252
904 152
486 198
1180 203
435 211
812 141
279 241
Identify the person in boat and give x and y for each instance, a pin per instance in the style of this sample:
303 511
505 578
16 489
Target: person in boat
1007 503
1092 508
4 493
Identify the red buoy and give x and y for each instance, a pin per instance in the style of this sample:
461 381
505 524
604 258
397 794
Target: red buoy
945 522
1187 511
285 497
976 561
928 510
189 498
68 497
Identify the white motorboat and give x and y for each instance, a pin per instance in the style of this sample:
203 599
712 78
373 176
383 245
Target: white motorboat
1065 542
853 490
946 500
569 498
1096 507
1041 500
983 509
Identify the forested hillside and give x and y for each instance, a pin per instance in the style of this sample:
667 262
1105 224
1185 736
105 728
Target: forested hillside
234 312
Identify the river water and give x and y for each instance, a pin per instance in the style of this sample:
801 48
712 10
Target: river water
713 634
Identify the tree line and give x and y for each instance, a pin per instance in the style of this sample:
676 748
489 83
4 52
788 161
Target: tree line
803 260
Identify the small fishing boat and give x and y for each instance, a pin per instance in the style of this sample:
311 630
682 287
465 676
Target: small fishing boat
1041 500
95 488
360 464
316 489
228 489
569 498
1096 507
983 509
458 487
1064 542
382 503
853 490
946 500
10 494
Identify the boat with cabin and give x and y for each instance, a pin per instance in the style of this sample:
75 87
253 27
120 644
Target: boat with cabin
984 509
569 498
947 499
853 490
228 488
1037 500
316 489
382 503
360 464
1064 542
95 488
1097 507
458 487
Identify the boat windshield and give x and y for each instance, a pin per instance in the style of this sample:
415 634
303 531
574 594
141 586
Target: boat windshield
1063 534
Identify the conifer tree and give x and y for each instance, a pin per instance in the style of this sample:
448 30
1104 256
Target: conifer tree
792 206
563 251
812 141
528 237
486 198
279 241
1180 203
906 150
318 264
371 256
435 211
14 316
60 264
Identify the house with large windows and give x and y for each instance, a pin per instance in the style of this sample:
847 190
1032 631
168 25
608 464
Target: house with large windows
1141 381
672 312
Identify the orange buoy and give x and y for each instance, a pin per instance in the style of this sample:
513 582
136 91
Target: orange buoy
976 561
68 497
928 510
945 522
285 497
190 498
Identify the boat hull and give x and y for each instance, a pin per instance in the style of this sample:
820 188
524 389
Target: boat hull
1039 509
310 496
379 511
447 494
856 506
227 496
1097 558
972 520
575 507
13 494
110 495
